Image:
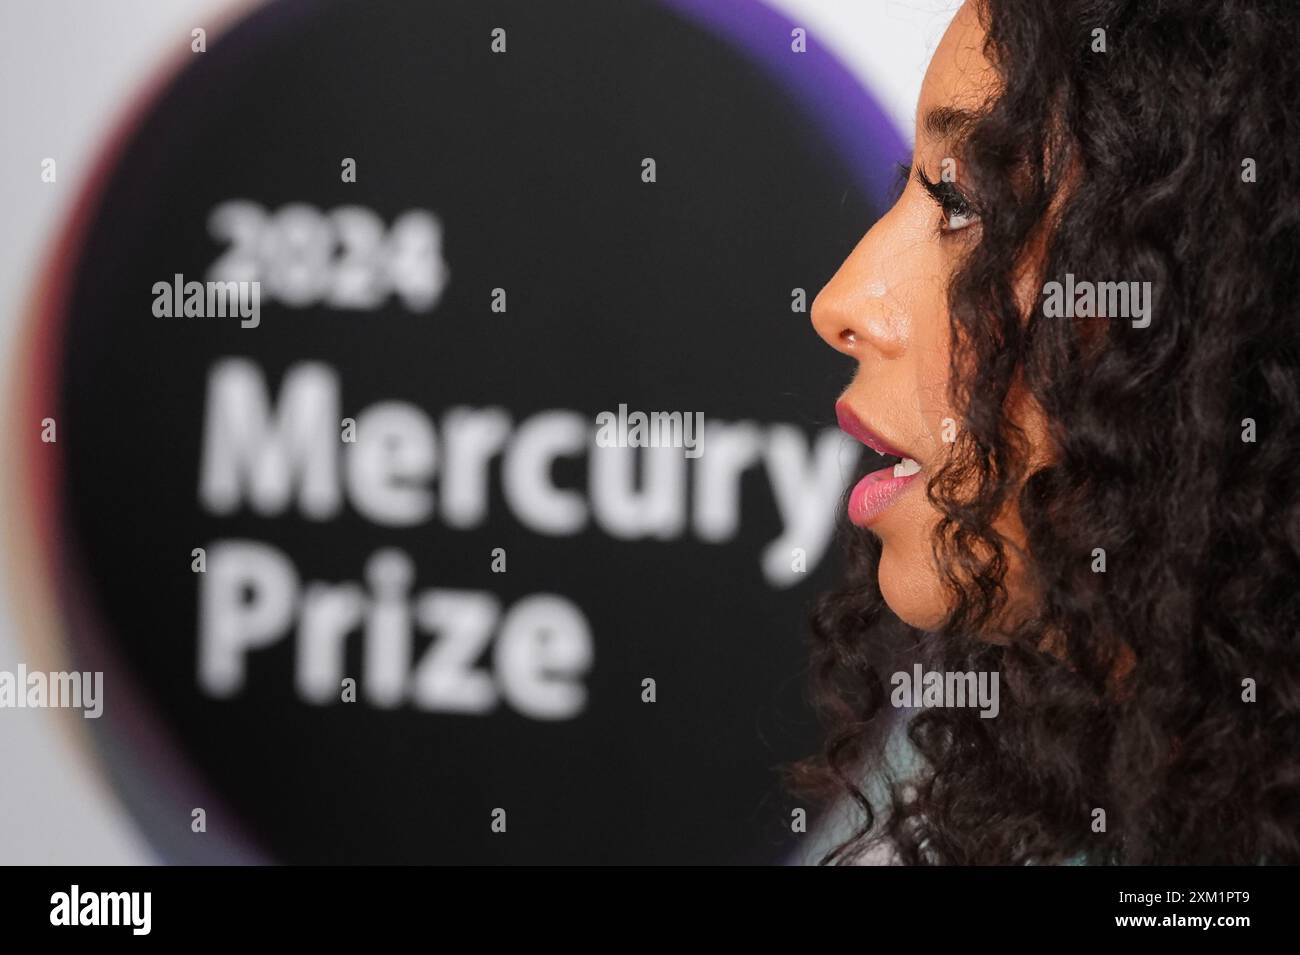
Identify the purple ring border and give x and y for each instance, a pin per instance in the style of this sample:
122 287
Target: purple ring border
842 107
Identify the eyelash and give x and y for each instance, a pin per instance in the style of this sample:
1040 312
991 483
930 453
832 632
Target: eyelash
952 202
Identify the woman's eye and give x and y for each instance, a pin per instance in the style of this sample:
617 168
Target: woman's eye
955 209
956 216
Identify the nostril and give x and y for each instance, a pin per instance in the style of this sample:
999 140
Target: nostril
847 338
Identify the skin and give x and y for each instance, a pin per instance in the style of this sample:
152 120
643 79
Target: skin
886 308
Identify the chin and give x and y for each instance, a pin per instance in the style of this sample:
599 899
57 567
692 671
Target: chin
911 589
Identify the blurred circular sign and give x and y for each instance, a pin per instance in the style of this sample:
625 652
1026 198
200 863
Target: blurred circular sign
445 460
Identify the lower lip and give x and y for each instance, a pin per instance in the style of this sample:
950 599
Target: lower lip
872 495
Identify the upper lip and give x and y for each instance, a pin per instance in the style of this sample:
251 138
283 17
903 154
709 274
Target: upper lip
853 426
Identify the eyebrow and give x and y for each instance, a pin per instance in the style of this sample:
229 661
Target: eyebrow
943 122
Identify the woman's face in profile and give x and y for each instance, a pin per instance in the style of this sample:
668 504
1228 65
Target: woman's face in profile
1079 504
886 307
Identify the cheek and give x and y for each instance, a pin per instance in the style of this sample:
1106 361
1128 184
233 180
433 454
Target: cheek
932 375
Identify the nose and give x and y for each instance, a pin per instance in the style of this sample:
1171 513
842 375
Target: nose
856 313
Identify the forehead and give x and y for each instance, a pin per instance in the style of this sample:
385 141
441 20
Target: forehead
959 75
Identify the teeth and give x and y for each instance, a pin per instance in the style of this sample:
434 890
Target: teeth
906 468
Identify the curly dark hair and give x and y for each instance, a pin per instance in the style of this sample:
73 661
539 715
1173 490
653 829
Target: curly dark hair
1120 690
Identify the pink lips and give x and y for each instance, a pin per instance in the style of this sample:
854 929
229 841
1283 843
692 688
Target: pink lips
872 495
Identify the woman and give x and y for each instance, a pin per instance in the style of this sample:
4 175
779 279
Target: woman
1076 335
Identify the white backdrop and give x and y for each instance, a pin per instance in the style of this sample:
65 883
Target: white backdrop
69 69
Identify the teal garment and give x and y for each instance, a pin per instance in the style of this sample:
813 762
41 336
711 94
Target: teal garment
843 819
